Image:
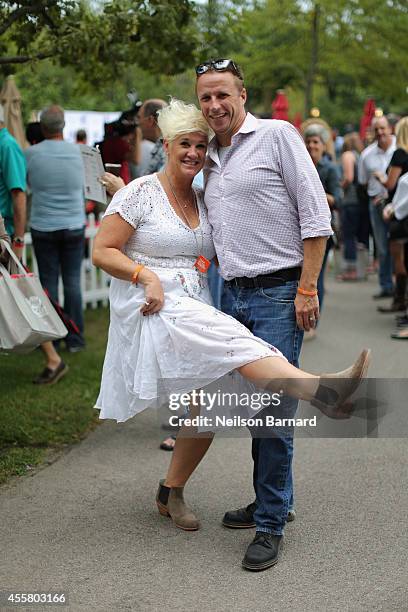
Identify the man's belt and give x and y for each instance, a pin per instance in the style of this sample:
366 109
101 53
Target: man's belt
273 279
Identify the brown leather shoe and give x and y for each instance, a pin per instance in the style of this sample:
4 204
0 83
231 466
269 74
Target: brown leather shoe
50 377
170 502
337 388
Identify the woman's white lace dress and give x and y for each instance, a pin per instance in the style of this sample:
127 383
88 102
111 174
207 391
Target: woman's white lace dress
186 345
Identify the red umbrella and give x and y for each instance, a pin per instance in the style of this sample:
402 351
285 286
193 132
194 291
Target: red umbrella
366 119
280 106
297 121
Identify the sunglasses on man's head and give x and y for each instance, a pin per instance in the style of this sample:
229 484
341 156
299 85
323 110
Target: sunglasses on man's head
220 65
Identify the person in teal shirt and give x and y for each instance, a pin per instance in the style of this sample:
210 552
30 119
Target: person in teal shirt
12 185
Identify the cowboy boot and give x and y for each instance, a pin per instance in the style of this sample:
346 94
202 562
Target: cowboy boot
335 389
170 502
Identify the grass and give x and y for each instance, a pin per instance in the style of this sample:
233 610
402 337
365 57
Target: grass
37 419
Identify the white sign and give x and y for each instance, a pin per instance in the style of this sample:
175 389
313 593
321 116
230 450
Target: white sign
92 122
93 170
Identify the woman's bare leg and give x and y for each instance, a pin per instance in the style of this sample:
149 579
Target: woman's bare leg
51 355
279 375
189 450
329 392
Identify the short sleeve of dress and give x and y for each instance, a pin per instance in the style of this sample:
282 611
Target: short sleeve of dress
129 202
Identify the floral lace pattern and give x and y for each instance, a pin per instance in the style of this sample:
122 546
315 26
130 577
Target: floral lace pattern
192 283
161 238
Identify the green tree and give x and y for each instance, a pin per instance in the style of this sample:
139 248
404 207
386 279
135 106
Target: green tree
216 23
271 34
102 41
336 52
51 83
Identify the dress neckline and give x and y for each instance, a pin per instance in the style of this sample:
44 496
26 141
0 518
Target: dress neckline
192 229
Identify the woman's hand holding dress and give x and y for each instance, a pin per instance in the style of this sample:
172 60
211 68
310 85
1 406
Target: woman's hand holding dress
154 295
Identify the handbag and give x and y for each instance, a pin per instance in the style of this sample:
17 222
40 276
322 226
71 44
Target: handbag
27 317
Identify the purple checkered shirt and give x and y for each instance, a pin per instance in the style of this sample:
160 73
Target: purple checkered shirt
264 199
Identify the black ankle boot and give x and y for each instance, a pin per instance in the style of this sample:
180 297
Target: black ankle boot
399 302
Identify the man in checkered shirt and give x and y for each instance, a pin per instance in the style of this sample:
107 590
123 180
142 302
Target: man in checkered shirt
270 221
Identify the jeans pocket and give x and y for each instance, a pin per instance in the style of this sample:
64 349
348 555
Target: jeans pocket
283 294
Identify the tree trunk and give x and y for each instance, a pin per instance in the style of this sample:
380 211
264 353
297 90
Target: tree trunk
314 58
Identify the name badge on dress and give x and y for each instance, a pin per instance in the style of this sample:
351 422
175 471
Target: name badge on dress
202 263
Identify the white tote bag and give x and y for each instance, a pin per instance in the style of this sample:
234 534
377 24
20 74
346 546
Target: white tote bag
27 317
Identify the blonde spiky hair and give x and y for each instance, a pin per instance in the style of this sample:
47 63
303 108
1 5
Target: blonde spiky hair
180 118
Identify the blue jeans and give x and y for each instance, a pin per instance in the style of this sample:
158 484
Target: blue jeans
63 250
215 284
380 231
270 315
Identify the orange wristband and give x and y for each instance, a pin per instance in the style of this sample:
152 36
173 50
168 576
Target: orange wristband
305 292
136 273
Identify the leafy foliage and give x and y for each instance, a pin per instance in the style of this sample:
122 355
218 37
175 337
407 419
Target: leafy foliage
361 49
100 43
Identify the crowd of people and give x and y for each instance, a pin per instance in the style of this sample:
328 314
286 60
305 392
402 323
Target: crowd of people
361 188
274 204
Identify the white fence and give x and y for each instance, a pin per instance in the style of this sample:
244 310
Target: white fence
94 281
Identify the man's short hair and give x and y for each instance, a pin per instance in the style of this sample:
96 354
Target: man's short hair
52 120
34 133
233 68
238 81
81 135
151 107
1 114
